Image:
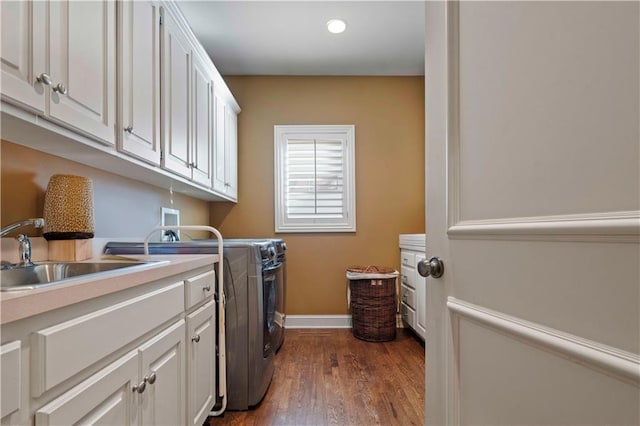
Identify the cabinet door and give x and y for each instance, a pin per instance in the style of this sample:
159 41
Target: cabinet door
162 361
139 129
82 60
202 142
176 56
201 363
231 153
106 398
22 26
219 166
421 300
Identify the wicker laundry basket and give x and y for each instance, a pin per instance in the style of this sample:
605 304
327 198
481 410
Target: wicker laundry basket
373 302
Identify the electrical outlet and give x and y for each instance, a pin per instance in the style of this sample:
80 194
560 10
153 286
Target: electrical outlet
170 217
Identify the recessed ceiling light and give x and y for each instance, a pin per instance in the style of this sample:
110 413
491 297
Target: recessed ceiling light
336 26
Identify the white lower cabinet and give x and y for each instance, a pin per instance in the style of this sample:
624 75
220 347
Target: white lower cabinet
145 356
162 359
144 387
201 328
413 290
105 398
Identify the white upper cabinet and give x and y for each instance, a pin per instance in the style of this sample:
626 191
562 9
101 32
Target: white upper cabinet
202 126
188 108
67 74
137 80
22 26
176 97
139 128
82 66
225 149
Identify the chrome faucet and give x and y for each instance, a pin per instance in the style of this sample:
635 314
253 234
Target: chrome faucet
36 223
25 244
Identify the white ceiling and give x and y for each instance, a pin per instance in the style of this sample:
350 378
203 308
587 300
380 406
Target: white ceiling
290 37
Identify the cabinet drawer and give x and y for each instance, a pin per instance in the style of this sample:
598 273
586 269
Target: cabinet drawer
198 288
408 315
407 258
100 333
408 296
408 276
11 382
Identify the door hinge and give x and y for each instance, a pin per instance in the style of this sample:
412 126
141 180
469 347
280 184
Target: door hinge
161 20
161 155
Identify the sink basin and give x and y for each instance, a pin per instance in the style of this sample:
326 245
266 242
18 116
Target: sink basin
41 274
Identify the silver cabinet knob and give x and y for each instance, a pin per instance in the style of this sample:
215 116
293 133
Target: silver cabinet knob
432 267
196 338
140 387
128 129
152 378
60 88
44 79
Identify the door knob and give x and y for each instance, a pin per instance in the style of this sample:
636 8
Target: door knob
432 267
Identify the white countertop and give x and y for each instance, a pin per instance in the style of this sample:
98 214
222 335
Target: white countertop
19 304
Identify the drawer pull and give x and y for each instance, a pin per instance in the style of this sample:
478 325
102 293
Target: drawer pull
207 288
405 279
195 338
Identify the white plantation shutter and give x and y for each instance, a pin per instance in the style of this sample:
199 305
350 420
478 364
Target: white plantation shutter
314 178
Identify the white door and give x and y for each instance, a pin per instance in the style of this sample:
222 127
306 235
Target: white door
201 366
176 98
202 126
103 399
82 62
231 153
533 186
22 63
139 129
219 151
163 364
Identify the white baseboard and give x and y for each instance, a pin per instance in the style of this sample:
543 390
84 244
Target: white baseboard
318 321
324 321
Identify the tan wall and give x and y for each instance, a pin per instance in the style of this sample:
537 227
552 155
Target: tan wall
124 208
388 113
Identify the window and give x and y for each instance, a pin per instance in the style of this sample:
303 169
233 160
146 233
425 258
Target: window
315 178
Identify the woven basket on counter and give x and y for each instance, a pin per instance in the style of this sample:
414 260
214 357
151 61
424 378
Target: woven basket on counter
373 302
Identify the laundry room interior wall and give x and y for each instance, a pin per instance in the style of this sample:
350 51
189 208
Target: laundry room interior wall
124 208
388 114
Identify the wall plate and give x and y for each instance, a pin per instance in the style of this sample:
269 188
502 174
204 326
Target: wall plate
170 217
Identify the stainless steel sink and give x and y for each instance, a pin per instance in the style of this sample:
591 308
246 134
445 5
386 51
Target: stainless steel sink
48 273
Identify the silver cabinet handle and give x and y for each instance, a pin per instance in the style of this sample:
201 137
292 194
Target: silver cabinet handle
60 88
44 79
152 378
128 129
196 338
405 279
432 267
140 387
207 288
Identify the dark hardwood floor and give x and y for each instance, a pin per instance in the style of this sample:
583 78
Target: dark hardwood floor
328 377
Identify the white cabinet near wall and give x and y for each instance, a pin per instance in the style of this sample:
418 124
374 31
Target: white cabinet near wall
225 169
187 106
176 65
413 288
58 59
139 72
